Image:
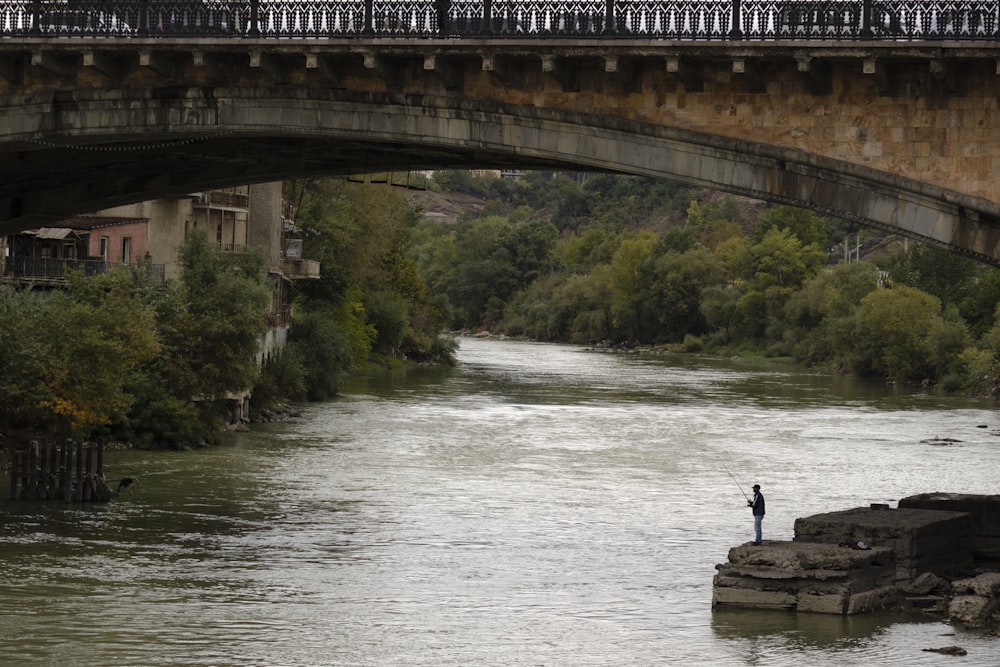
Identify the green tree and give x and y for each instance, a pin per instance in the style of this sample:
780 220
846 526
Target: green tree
780 264
980 305
934 270
678 280
22 314
92 338
900 334
629 279
819 316
371 276
495 259
800 223
720 307
216 337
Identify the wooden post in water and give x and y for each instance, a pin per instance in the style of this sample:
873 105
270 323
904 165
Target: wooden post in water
78 496
89 486
30 478
67 472
14 461
43 465
100 458
53 476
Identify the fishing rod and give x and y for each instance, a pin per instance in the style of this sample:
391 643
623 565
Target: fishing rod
737 483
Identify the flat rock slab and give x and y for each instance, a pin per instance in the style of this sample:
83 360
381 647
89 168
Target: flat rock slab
889 522
806 576
808 556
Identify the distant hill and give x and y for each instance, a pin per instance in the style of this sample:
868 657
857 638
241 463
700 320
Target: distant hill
447 207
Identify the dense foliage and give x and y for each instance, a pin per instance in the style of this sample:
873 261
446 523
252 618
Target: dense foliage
610 259
553 257
369 306
120 356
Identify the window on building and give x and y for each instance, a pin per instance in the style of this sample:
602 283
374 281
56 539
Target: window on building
69 250
127 250
104 248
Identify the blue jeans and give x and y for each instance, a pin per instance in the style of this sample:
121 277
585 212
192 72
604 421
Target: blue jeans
757 518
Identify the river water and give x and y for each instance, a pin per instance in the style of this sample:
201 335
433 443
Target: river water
536 505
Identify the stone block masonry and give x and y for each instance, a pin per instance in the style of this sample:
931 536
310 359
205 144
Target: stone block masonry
984 511
802 576
922 540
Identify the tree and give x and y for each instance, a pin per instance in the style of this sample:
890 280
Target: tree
800 223
21 355
780 264
678 280
371 276
225 306
819 316
495 259
900 334
980 305
936 271
92 338
629 279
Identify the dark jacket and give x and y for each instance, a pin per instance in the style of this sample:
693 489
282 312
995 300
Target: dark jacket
757 503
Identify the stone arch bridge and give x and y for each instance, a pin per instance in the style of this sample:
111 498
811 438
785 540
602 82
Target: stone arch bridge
903 135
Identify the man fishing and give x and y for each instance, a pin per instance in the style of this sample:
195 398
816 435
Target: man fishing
757 504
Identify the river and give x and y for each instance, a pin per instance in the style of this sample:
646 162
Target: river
536 505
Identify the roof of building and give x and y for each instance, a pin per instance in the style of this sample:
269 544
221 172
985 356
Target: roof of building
81 223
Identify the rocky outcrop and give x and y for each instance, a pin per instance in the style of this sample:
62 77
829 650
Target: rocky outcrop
923 540
805 576
864 558
975 601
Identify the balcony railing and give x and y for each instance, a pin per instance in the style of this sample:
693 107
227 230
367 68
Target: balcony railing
38 269
301 269
217 199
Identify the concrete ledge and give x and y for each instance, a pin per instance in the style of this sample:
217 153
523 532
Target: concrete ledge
811 577
923 540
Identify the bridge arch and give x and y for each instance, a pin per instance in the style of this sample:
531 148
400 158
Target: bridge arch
126 147
900 135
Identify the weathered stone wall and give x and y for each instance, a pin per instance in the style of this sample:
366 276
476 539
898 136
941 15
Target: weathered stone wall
922 540
983 510
821 578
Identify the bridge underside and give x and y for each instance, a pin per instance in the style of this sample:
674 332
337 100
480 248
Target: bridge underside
78 144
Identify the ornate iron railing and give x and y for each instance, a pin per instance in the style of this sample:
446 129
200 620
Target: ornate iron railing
606 19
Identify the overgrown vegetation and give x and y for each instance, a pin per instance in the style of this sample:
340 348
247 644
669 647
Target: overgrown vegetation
119 356
611 259
369 306
116 355
552 257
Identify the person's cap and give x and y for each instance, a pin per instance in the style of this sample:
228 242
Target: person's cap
756 486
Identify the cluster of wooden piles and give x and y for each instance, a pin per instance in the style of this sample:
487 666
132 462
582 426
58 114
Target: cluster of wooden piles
66 470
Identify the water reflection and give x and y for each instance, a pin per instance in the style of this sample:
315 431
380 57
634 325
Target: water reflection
804 631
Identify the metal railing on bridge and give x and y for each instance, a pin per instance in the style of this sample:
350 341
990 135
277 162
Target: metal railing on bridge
917 20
